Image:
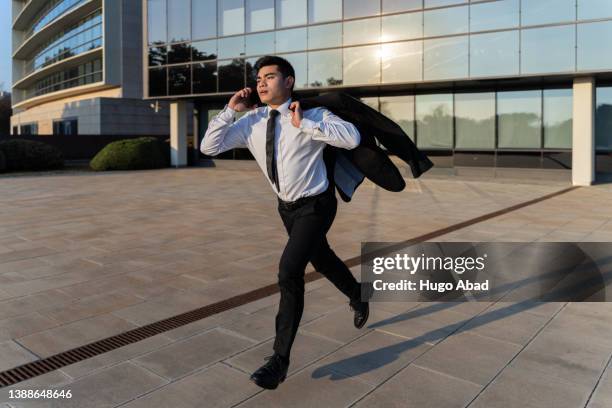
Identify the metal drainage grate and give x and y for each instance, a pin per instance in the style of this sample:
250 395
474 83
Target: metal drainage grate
57 361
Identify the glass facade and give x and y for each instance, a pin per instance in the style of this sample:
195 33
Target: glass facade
389 41
51 11
398 49
83 74
79 38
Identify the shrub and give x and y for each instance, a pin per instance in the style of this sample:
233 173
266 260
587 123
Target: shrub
2 162
132 154
21 154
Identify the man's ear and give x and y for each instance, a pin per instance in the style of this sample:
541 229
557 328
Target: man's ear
289 81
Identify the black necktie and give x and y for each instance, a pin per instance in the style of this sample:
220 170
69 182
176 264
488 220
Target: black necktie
270 158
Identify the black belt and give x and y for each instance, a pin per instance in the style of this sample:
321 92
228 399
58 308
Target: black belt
292 205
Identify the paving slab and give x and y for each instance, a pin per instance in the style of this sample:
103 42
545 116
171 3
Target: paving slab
196 352
218 386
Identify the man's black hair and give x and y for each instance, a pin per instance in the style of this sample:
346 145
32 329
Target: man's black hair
284 66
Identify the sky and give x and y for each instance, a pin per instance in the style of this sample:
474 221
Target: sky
6 69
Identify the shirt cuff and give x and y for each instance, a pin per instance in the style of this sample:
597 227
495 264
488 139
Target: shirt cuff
227 114
309 126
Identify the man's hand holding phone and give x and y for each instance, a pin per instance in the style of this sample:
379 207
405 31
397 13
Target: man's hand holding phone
241 101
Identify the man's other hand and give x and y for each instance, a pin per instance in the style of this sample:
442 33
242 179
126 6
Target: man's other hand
240 100
296 114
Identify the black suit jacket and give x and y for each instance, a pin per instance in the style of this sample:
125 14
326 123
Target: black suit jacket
348 167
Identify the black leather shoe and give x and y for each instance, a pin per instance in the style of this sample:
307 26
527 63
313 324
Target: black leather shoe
272 373
362 311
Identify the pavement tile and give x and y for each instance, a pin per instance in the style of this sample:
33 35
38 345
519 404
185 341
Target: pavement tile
13 354
421 388
426 323
338 324
65 337
516 387
602 396
508 324
116 356
338 393
104 389
373 358
45 381
306 349
185 356
470 357
217 386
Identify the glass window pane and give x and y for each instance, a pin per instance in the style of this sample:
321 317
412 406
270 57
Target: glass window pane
603 118
548 49
494 15
402 27
434 116
361 65
324 10
231 17
157 82
203 19
231 75
324 68
231 47
291 40
402 62
179 82
178 53
204 50
179 27
251 75
259 15
396 6
325 36
494 54
156 21
446 21
362 31
205 77
519 115
594 54
260 44
446 58
438 3
361 8
558 118
588 9
298 62
475 120
158 55
547 11
400 109
290 13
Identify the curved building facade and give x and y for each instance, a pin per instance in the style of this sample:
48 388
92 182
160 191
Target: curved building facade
77 69
480 86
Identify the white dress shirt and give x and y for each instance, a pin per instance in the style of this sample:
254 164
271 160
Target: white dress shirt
299 151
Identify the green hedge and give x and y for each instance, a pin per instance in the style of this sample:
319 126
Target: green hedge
132 154
21 154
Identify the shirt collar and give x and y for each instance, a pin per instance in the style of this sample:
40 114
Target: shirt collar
283 109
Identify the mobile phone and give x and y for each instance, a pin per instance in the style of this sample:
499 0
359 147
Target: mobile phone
254 97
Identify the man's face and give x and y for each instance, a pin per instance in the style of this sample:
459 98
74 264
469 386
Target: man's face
272 87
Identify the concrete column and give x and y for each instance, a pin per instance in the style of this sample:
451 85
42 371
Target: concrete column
178 133
583 132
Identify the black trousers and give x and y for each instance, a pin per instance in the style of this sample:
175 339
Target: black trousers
307 225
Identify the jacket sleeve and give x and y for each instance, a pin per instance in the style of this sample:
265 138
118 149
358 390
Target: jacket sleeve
323 125
224 134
